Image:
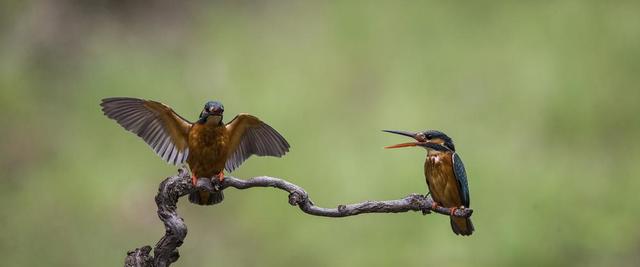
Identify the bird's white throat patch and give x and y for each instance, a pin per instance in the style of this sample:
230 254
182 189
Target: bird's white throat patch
435 158
214 119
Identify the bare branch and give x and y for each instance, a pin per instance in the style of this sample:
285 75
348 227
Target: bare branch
298 196
174 187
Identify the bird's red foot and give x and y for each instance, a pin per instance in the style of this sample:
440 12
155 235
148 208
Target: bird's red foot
194 179
452 211
220 176
434 205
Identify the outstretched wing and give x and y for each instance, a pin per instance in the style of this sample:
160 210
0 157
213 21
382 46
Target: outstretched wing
250 136
461 177
160 127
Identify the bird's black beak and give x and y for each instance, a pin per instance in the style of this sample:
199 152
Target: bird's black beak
408 134
216 111
405 133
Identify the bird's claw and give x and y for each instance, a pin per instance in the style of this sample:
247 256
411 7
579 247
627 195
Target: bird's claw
434 206
452 211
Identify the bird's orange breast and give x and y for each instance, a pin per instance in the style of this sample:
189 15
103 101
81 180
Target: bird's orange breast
207 149
438 171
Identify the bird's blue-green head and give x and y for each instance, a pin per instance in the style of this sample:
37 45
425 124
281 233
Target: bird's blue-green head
430 139
211 108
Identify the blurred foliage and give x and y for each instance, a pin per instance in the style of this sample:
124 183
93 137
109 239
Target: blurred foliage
541 98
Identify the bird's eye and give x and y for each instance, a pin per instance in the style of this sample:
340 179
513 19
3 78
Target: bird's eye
429 136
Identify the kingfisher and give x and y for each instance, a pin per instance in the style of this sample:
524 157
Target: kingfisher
208 146
445 174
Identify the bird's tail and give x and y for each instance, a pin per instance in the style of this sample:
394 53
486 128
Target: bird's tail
461 226
202 197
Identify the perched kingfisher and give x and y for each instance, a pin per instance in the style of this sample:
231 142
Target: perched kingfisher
208 146
444 173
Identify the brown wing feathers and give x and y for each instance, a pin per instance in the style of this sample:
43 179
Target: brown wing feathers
250 136
159 126
167 133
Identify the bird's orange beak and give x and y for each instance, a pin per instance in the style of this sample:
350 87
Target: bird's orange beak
403 145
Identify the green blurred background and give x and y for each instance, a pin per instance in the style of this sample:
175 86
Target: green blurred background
542 100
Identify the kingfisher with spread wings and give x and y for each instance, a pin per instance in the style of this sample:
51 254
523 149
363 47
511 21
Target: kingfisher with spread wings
444 173
208 145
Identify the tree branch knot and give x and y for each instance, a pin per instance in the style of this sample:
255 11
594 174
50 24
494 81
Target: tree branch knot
297 197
